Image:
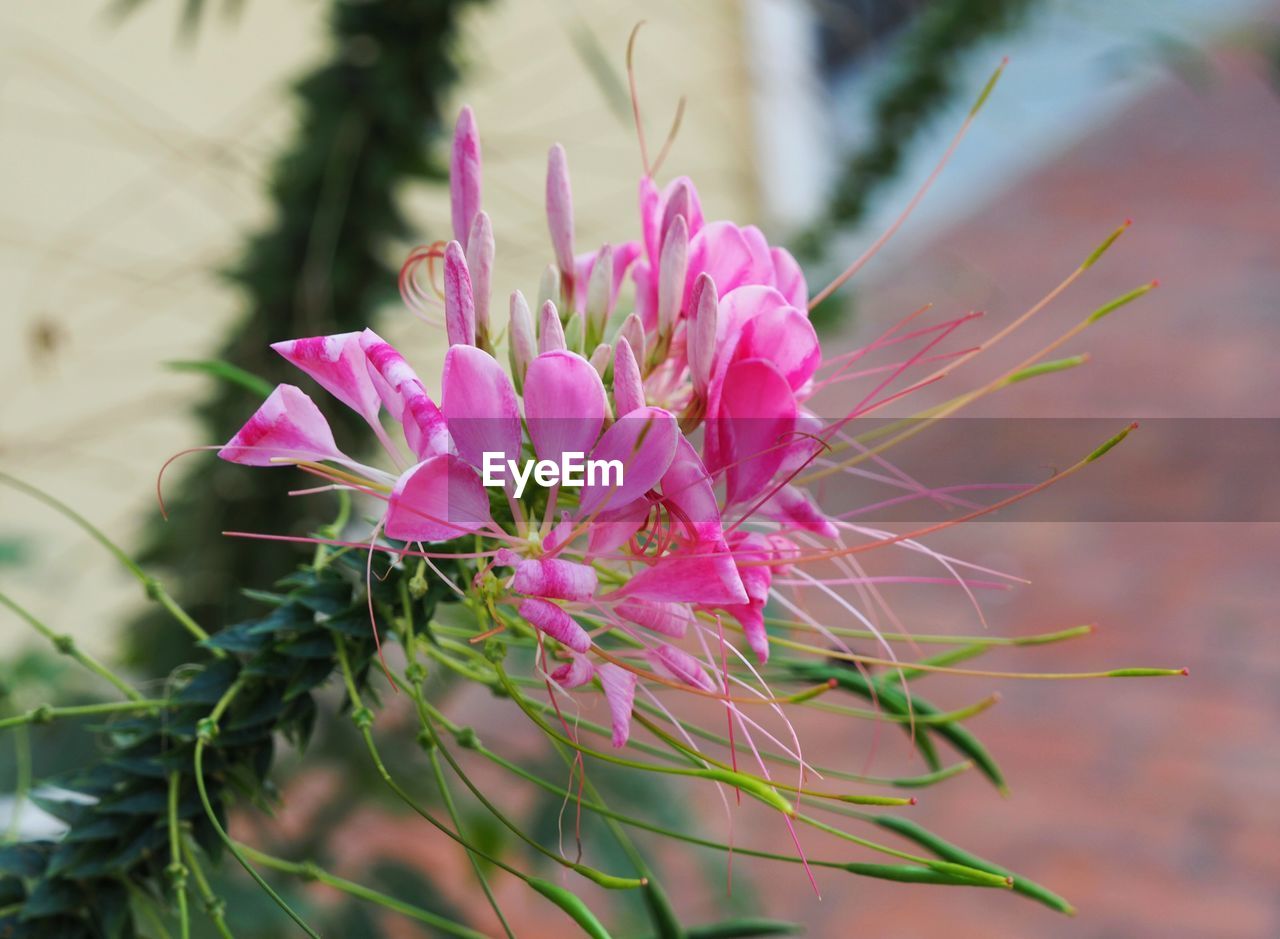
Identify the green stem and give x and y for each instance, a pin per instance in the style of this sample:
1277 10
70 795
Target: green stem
22 784
45 713
176 871
154 589
310 871
414 688
759 788
214 907
205 733
67 646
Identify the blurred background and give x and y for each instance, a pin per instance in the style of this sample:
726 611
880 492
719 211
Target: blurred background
185 181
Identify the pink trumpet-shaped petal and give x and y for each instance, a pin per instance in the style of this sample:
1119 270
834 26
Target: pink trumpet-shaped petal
701 342
670 619
459 300
480 405
754 424
287 426
556 623
555 578
564 404
628 386
574 673
339 366
671 275
424 426
439 499
480 252
522 346
620 694
643 442
550 329
560 209
710 579
464 174
680 665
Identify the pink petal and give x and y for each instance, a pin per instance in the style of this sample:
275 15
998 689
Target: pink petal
479 403
644 442
756 418
556 623
464 174
609 530
555 578
620 694
786 338
575 673
687 486
670 619
438 500
721 250
628 386
789 279
564 404
340 367
424 426
751 618
287 426
459 302
680 665
793 509
707 578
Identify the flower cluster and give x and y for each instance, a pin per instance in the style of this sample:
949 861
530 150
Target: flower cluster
719 340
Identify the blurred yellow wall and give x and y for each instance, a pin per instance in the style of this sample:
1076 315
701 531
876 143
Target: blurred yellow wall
132 165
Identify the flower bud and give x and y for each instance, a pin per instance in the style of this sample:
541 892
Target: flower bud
459 303
701 334
549 286
628 386
632 329
521 347
599 295
677 205
671 276
560 209
464 175
575 333
480 249
601 358
550 330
